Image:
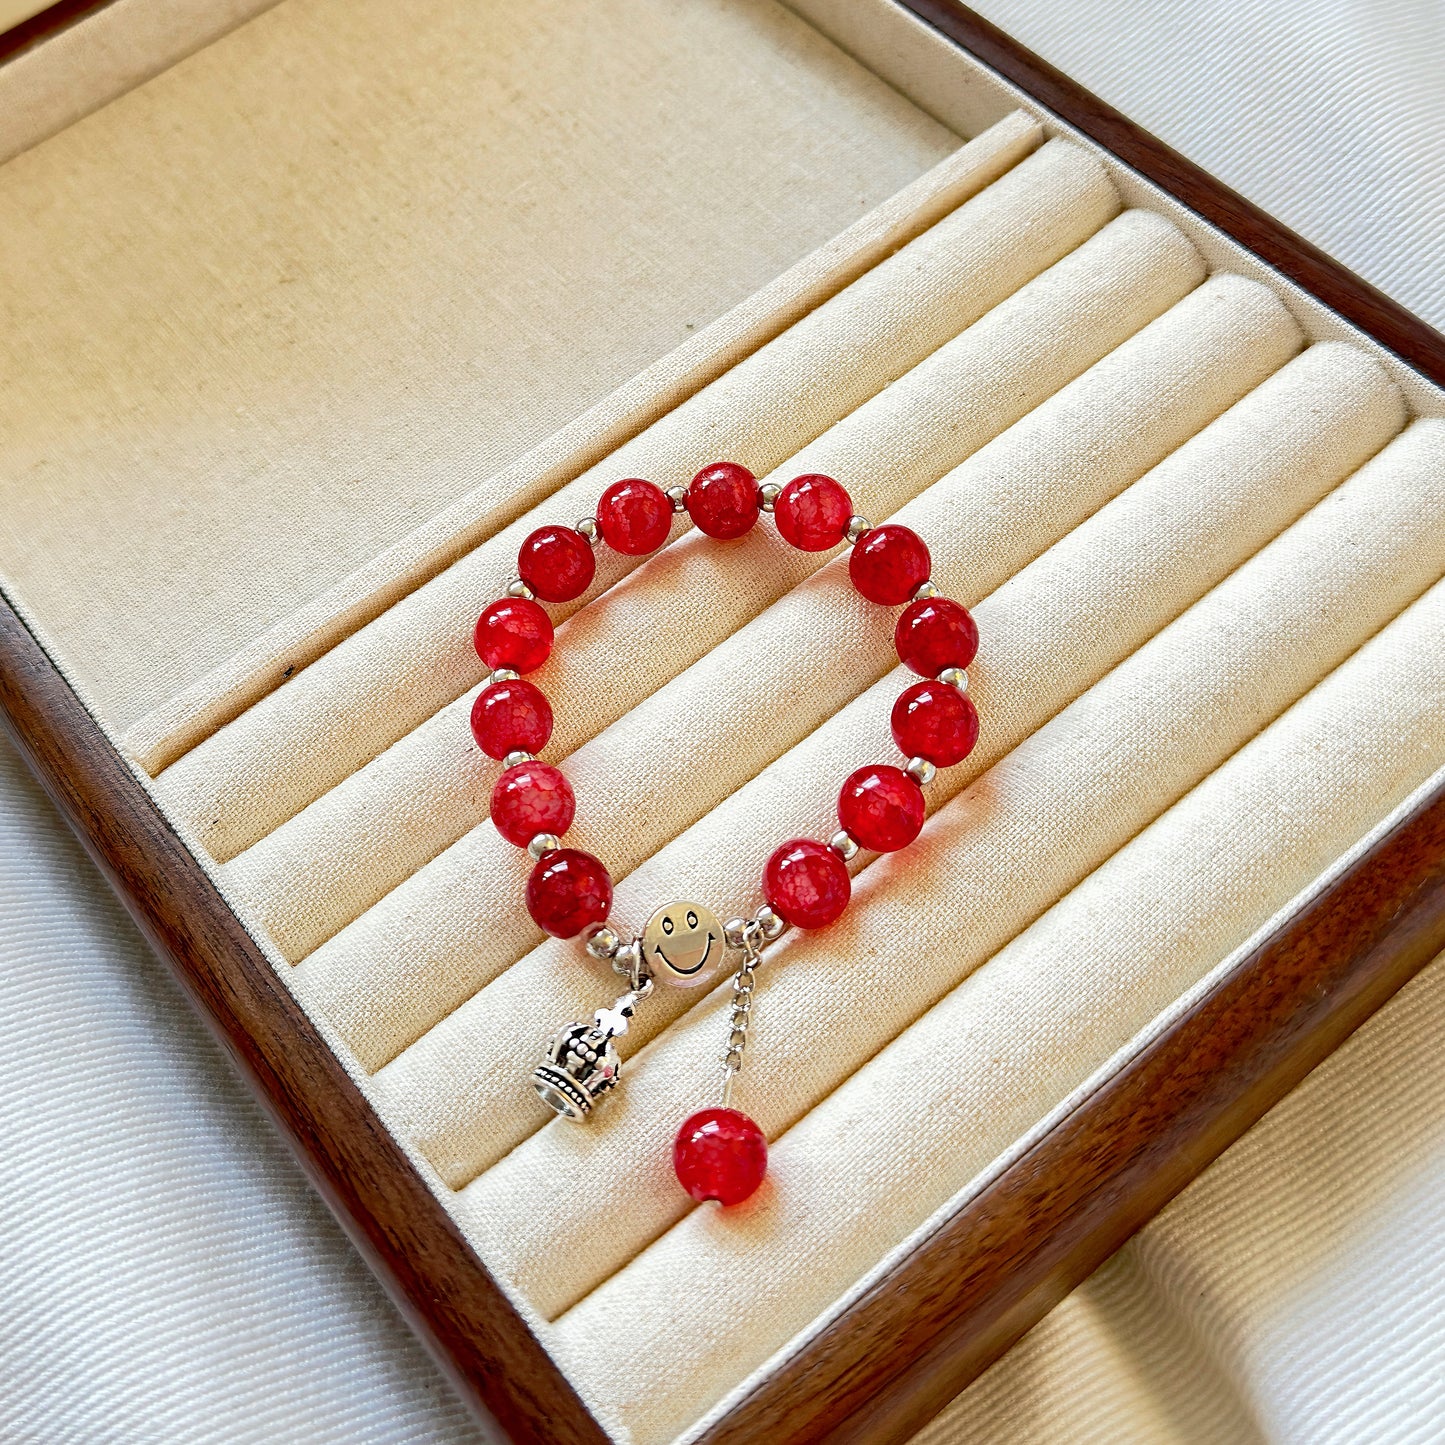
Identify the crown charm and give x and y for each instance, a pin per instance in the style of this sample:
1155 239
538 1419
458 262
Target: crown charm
582 1066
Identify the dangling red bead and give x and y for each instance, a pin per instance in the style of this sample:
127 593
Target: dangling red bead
881 808
514 633
568 890
935 634
720 1154
806 883
812 513
934 721
556 563
634 517
722 500
509 717
887 563
529 799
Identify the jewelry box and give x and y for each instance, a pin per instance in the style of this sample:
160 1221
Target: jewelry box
327 304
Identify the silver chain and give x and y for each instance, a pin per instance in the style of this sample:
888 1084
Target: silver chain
741 1008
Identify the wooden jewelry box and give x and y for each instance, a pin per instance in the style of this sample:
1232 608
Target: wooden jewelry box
331 304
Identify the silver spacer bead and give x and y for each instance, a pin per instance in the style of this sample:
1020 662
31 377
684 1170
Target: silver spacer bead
503 674
857 526
604 941
768 496
734 930
628 959
921 771
769 922
588 527
517 757
924 591
517 588
678 497
844 844
543 843
954 677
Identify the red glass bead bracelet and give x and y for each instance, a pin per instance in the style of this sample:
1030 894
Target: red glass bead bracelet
719 1154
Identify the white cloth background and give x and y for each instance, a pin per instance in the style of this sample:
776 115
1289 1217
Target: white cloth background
209 1297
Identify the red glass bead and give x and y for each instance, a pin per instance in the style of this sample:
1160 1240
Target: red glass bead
806 883
529 799
934 721
812 513
514 633
508 716
723 500
556 563
634 517
568 890
935 634
887 563
881 807
720 1154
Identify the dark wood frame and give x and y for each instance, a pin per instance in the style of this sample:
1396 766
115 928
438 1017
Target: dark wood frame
901 1351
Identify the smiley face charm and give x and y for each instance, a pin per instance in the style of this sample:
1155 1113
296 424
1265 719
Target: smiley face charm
683 945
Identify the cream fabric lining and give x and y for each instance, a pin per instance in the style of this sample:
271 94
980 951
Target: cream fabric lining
1174 524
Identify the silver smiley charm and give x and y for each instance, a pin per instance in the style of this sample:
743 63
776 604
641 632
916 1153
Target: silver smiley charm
683 944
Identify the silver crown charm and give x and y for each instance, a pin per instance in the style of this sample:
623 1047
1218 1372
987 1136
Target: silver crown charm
582 1066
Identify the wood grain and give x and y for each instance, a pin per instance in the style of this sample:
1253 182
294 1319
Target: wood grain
398 1224
1389 323
900 1352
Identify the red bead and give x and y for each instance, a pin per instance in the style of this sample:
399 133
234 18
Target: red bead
514 633
934 721
634 517
568 890
806 884
508 716
812 513
556 563
887 563
723 500
529 799
881 807
720 1154
935 634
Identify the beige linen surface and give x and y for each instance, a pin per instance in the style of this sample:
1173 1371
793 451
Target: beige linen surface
953 1092
314 732
286 301
1265 1306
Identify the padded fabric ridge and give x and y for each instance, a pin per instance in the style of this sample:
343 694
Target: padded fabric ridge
455 1088
317 872
325 723
908 1130
987 865
161 737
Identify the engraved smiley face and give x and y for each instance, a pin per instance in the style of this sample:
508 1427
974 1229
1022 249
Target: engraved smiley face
683 944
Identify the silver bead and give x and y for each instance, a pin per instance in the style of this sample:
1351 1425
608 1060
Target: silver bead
769 922
734 930
628 959
517 757
517 588
768 496
678 497
543 843
588 527
604 942
921 771
924 591
954 677
503 674
857 526
844 845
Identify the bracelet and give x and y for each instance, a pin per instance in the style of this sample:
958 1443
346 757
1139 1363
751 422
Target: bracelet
719 1154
